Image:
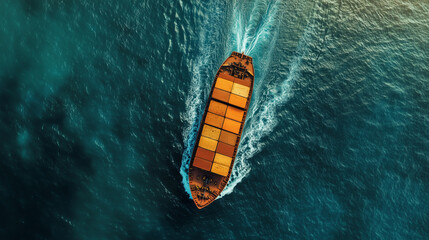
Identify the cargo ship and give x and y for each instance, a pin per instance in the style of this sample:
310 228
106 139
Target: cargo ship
220 129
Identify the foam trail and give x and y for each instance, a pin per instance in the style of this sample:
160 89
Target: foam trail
195 106
192 117
249 28
238 29
266 33
195 99
262 116
264 36
247 34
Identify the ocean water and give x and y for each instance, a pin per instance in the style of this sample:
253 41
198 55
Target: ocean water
101 101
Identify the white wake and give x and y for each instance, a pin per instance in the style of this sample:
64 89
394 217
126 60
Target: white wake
262 119
256 37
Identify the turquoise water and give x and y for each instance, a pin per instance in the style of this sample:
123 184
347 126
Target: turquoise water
101 100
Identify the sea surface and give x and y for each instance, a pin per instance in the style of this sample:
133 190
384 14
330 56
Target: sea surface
100 102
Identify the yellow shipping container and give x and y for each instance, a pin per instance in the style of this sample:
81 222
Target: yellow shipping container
224 84
231 125
220 169
234 113
210 132
222 159
240 90
207 143
237 101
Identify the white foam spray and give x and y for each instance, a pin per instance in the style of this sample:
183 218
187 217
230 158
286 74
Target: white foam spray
261 118
195 100
192 118
255 37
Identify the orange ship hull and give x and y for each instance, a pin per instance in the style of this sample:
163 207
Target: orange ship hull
220 129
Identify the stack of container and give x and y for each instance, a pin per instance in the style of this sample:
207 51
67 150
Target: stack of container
222 124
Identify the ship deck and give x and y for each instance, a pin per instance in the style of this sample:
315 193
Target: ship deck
220 129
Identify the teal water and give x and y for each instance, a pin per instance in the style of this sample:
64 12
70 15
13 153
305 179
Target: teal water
101 100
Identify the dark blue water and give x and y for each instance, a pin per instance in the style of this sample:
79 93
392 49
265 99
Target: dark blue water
101 100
